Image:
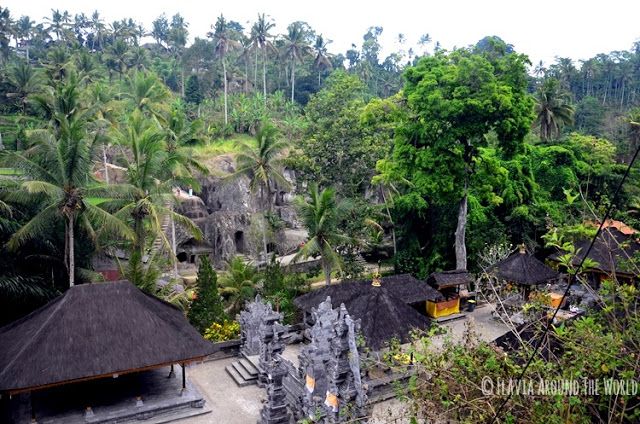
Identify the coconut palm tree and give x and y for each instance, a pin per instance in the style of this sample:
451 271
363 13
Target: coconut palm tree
58 63
24 29
58 169
150 181
25 80
223 44
98 27
148 95
179 135
296 48
260 33
238 284
540 70
321 62
6 32
553 109
58 23
138 58
87 67
117 57
263 165
320 215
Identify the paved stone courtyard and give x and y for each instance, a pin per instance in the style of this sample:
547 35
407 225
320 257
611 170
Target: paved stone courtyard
231 404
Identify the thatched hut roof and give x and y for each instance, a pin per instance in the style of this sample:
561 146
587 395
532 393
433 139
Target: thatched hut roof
384 317
452 278
522 268
93 331
612 251
403 286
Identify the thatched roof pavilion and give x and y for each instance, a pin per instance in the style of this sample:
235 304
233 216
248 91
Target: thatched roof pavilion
384 317
522 268
383 311
403 286
94 331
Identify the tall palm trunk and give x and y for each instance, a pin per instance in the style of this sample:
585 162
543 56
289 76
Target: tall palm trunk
264 74
138 228
246 75
293 79
255 70
174 247
224 77
264 224
104 162
326 268
69 250
182 82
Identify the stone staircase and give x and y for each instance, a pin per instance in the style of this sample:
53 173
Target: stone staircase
158 244
244 371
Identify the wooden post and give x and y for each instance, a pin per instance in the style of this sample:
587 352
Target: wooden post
33 411
184 377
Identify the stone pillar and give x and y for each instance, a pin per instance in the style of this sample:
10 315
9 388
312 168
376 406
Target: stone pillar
275 409
271 345
330 368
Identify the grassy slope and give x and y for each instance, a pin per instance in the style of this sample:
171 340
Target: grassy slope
232 145
213 153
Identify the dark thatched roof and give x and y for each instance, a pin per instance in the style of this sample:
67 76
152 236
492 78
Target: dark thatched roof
612 251
404 287
383 317
452 278
522 268
93 331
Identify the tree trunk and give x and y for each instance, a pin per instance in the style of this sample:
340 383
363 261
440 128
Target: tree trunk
393 226
327 271
264 74
182 83
224 76
174 247
293 79
264 225
138 227
255 71
246 75
104 162
72 260
460 246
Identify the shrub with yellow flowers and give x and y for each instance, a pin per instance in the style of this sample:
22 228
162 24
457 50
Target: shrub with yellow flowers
220 332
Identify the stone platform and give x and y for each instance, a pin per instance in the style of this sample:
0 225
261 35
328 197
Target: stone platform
149 397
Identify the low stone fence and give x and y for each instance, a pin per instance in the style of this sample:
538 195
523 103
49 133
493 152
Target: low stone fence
227 349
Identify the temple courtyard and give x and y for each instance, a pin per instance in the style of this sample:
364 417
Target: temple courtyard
231 404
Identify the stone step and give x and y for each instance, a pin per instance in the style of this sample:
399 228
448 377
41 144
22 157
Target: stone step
243 372
451 317
237 377
248 366
253 359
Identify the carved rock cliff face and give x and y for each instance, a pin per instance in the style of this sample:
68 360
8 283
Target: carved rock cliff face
228 215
